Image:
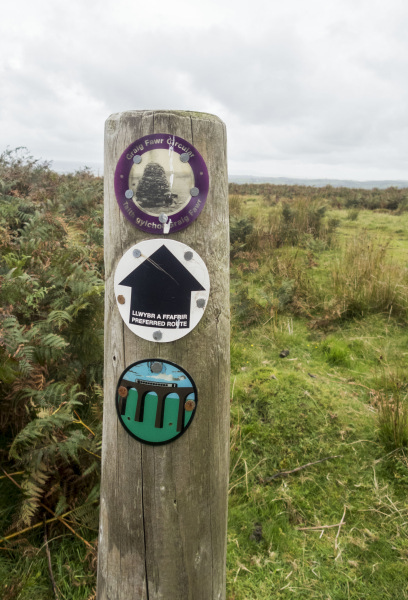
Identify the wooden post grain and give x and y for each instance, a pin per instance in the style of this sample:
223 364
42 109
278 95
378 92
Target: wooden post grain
163 516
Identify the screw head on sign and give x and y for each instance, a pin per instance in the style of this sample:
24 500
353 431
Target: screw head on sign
136 253
189 405
121 299
163 218
184 157
201 303
129 194
157 335
157 367
194 191
188 255
122 391
137 159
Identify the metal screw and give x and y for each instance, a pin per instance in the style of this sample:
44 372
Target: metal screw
121 299
194 191
188 255
122 391
129 194
184 157
157 335
163 218
189 405
201 303
137 159
136 253
157 367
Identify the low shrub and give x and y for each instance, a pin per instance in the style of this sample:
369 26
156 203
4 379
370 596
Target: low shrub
353 214
393 412
241 229
365 279
292 224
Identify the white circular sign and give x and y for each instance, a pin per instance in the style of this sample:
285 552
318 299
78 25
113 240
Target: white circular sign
162 289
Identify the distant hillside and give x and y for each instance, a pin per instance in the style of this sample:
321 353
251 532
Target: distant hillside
366 185
97 169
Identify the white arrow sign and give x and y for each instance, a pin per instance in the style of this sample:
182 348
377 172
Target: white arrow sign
162 289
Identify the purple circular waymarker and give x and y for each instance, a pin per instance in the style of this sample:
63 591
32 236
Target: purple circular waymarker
161 181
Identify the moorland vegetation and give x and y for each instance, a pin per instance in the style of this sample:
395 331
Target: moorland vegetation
319 427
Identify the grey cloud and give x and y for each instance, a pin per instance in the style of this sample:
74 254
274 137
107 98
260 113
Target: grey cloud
325 94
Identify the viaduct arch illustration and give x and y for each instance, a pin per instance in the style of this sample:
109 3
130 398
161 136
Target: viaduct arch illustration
162 390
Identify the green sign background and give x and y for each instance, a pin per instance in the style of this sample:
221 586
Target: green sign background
146 430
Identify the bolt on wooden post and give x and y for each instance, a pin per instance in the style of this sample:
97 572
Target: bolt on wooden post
165 452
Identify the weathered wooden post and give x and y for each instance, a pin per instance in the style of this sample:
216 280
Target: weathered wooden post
163 512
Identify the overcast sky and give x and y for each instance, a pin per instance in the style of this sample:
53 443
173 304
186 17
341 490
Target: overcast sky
307 88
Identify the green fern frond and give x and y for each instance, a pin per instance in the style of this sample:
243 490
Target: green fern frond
38 433
93 468
59 318
55 341
87 515
33 487
71 446
61 506
40 475
55 394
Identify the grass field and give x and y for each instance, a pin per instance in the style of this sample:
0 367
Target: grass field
335 529
319 425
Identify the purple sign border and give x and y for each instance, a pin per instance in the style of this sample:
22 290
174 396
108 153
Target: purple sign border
190 211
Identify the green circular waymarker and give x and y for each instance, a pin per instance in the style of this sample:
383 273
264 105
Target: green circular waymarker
156 401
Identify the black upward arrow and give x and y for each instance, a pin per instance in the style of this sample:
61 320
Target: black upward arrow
161 285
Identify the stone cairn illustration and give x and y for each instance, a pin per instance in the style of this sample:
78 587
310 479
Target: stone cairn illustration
153 189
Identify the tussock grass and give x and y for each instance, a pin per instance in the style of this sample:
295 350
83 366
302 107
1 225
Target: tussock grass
365 279
392 400
259 226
